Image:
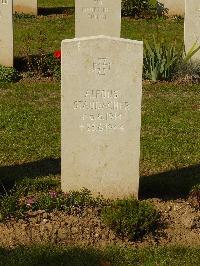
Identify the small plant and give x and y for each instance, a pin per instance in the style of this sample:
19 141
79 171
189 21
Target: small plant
138 8
21 200
8 206
194 197
161 60
131 218
74 200
8 74
188 70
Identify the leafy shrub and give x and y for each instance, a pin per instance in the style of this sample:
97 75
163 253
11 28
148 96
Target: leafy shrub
194 197
45 65
187 72
42 64
133 8
131 218
8 74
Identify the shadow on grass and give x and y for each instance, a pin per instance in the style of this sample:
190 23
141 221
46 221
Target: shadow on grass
111 255
170 185
12 173
45 11
41 255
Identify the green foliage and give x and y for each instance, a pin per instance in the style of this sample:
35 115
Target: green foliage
133 8
18 202
8 74
188 70
74 200
161 60
193 50
131 218
194 196
42 64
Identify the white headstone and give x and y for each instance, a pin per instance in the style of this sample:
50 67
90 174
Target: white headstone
25 6
6 33
192 25
101 115
97 17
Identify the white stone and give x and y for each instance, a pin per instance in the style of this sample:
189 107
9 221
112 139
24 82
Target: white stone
97 17
173 7
25 6
101 115
6 33
192 26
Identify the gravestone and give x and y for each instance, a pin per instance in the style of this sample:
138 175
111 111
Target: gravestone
6 33
192 25
25 6
101 115
97 17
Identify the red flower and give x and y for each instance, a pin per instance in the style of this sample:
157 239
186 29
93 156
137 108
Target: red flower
57 54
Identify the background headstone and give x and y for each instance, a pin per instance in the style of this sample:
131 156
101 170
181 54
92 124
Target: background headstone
25 6
97 17
192 25
101 115
6 33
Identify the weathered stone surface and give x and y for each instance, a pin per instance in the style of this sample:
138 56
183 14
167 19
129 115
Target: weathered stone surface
25 6
192 26
97 17
101 115
173 7
6 33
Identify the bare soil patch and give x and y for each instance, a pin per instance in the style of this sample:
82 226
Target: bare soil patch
182 227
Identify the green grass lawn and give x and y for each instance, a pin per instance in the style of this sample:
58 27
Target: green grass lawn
45 33
55 3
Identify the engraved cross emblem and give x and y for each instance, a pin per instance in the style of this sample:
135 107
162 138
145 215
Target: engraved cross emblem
4 1
102 66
